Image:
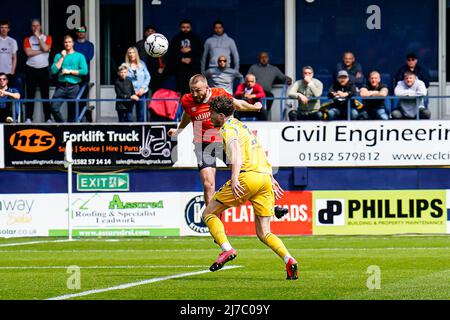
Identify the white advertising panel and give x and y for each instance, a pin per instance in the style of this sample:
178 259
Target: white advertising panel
344 143
93 214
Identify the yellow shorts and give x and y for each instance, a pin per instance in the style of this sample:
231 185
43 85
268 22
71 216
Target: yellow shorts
258 190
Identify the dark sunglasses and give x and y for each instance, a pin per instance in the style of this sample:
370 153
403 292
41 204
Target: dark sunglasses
222 60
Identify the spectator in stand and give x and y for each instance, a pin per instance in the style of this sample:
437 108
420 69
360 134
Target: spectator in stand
353 69
308 92
220 44
124 90
413 66
70 66
140 77
266 74
86 48
251 92
155 66
223 76
140 45
341 91
37 48
416 90
8 51
184 56
376 108
7 93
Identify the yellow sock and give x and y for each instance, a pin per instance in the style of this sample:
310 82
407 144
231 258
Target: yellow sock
216 229
275 243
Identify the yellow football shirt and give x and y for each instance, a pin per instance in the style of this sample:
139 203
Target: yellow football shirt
253 156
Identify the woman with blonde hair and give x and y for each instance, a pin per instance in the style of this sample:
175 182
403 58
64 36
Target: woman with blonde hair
140 77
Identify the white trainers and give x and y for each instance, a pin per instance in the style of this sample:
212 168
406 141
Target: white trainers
49 121
28 120
9 120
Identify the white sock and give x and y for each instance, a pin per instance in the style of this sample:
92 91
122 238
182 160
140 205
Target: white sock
226 246
286 258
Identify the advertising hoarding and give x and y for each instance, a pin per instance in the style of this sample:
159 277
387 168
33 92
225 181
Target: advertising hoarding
379 212
96 145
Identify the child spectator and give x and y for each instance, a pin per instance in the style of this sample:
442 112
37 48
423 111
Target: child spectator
124 90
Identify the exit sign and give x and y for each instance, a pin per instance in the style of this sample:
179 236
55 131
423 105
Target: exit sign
103 182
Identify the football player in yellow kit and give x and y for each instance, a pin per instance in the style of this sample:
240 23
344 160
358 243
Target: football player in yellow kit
251 179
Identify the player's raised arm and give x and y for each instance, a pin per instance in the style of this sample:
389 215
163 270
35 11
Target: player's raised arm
185 120
242 105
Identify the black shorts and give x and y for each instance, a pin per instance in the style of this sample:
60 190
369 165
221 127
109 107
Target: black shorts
208 153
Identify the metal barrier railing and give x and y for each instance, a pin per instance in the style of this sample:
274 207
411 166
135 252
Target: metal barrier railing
391 105
79 115
17 104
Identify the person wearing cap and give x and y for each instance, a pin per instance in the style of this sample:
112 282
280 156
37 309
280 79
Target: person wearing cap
353 69
341 91
412 65
86 48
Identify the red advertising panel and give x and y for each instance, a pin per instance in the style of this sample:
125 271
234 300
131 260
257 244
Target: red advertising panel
240 221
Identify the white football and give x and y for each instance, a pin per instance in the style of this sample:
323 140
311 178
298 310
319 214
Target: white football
156 45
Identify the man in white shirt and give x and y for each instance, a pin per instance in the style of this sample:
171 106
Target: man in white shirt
8 51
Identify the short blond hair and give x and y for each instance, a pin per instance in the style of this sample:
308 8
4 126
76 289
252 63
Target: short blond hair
123 66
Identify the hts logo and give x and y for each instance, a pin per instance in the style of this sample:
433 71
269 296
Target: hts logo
32 140
329 212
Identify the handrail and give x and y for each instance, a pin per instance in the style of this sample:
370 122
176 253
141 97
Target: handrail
263 100
80 93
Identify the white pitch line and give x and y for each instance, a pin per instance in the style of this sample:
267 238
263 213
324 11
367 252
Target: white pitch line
31 242
207 250
98 267
134 284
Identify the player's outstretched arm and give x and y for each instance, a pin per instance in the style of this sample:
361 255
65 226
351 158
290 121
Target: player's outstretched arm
185 120
242 105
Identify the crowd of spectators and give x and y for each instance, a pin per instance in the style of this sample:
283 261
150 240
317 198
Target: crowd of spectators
140 76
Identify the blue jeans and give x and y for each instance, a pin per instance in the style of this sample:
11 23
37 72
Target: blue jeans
64 92
141 109
338 114
125 115
378 114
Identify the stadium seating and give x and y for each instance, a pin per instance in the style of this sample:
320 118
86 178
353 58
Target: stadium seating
326 79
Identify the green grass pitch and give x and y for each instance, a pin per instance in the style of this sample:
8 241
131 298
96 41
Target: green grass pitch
330 267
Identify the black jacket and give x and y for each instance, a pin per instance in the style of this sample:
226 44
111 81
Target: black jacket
124 90
419 71
175 55
341 103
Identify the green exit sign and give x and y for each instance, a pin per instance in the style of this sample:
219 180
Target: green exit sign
103 182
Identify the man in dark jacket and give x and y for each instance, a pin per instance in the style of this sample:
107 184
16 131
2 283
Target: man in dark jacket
183 58
413 66
341 92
